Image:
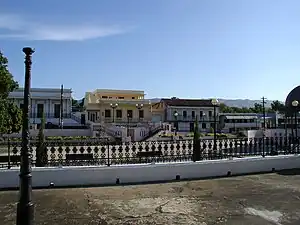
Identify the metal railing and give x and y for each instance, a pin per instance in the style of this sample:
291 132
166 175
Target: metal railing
84 152
192 118
50 115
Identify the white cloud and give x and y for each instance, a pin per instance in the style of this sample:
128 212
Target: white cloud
13 26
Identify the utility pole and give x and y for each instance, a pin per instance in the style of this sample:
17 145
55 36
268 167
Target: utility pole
264 127
264 111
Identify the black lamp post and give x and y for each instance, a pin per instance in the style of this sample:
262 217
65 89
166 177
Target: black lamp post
295 104
25 207
176 122
61 123
113 106
215 102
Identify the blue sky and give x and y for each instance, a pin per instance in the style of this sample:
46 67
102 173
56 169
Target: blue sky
182 48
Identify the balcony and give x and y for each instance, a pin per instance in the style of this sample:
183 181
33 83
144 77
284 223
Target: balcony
181 118
126 120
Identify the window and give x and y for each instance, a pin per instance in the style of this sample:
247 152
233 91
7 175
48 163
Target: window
56 110
201 113
133 97
210 113
129 113
104 97
203 125
141 114
119 113
120 97
21 106
193 114
212 125
107 113
184 114
40 110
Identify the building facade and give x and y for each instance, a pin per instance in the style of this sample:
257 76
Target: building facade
234 122
46 102
182 113
117 106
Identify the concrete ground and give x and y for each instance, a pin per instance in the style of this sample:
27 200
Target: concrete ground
270 199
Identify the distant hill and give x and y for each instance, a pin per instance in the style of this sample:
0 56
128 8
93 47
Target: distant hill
243 102
229 102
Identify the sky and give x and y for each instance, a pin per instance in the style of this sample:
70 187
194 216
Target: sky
231 49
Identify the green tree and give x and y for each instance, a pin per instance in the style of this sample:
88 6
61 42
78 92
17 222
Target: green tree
277 106
41 149
10 114
196 143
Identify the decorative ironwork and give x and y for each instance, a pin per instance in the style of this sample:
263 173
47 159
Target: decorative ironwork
87 152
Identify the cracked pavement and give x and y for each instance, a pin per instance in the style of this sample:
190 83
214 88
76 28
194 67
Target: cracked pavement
268 199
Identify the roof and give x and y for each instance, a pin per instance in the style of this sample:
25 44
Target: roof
241 117
188 102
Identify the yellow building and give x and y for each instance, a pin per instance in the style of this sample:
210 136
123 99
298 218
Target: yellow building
117 106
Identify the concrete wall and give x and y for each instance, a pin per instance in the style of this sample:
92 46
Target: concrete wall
68 176
57 132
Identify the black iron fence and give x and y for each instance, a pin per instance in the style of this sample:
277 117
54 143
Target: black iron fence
84 152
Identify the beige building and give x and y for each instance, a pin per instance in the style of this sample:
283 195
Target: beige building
117 106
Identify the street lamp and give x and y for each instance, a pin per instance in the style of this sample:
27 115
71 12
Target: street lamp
61 122
215 103
139 107
295 104
25 207
113 106
176 122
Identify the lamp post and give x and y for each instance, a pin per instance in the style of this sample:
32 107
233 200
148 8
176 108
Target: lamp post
215 102
113 106
128 125
295 104
61 123
176 122
139 107
25 207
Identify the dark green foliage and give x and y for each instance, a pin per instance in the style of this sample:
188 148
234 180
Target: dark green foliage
276 106
196 130
196 145
10 114
41 150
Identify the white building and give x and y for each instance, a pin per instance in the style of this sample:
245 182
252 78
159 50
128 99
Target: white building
182 113
233 122
47 101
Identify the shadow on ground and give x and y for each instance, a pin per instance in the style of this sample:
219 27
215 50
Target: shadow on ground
289 172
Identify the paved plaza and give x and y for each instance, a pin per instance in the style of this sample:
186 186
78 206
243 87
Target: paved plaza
270 199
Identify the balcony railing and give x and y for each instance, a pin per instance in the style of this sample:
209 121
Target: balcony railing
125 120
192 118
50 115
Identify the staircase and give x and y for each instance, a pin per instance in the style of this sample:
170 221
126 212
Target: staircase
153 132
102 128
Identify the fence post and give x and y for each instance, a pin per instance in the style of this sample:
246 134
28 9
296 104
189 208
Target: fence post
108 160
8 152
263 143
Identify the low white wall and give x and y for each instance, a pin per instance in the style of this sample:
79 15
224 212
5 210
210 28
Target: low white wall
68 176
56 132
268 133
